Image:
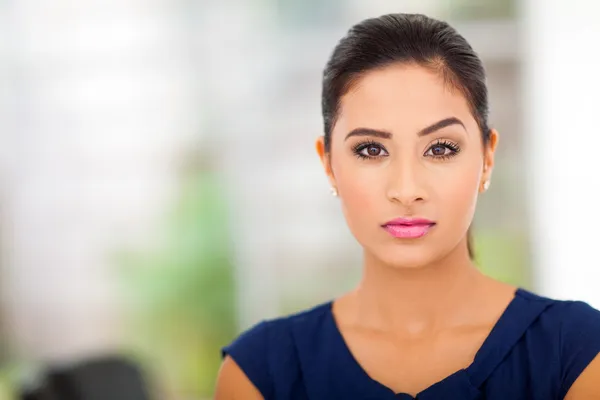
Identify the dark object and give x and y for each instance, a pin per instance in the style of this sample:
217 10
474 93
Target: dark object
100 379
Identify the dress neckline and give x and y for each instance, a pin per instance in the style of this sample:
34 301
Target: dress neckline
493 347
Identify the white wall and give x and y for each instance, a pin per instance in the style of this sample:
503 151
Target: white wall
99 103
562 81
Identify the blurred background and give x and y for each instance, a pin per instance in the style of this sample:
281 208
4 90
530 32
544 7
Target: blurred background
159 191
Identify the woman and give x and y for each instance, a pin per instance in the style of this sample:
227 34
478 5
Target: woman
408 150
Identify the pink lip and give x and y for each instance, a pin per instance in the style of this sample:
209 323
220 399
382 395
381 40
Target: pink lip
408 228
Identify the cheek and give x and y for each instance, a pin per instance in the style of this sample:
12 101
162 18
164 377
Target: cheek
361 192
456 194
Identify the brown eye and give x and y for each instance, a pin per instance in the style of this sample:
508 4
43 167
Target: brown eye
369 150
442 150
439 150
373 151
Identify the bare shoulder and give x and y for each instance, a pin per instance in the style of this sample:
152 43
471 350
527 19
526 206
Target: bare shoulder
587 385
233 384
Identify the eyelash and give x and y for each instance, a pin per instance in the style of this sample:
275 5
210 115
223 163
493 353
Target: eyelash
359 147
453 147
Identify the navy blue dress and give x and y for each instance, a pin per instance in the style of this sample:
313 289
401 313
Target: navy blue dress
536 350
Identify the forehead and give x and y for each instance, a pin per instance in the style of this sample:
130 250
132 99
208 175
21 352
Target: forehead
401 97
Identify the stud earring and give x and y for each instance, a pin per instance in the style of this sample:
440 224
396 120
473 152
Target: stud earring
486 185
334 191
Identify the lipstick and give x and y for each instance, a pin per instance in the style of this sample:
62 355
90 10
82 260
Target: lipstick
408 228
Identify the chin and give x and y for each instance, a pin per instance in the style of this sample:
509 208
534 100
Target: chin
409 257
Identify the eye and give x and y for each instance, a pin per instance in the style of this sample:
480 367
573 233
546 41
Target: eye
372 151
369 150
442 149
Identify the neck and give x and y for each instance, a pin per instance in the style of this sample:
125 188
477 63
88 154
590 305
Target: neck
415 300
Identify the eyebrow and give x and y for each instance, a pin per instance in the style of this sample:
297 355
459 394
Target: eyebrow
441 124
425 131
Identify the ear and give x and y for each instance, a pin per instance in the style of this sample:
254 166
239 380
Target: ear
325 160
488 160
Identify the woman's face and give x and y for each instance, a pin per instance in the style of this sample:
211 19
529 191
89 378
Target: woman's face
408 163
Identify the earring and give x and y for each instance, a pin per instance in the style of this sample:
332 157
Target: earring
334 191
486 185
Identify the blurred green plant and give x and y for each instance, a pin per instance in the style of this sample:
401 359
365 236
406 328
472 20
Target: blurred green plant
503 254
10 381
180 296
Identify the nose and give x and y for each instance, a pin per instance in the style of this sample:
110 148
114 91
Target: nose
405 183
